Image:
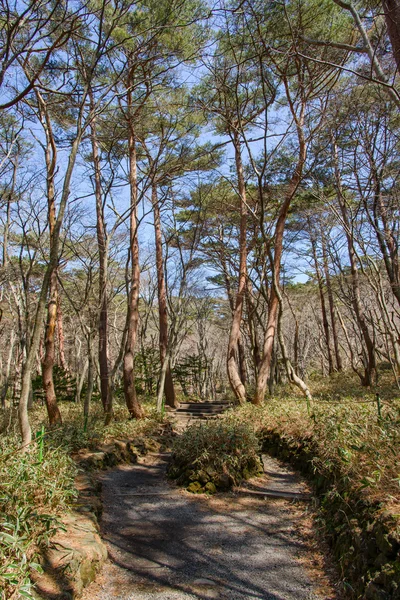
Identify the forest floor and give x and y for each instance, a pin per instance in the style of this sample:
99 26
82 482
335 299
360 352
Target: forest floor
165 543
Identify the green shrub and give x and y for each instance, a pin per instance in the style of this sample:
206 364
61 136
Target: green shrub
35 488
215 455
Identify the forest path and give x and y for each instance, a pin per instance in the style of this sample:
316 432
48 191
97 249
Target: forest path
167 544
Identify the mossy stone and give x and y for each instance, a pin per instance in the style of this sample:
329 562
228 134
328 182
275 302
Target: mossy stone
195 487
210 488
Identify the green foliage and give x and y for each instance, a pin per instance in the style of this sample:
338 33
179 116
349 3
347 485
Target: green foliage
348 439
64 385
38 487
33 495
221 452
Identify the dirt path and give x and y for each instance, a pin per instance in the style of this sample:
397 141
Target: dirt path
165 543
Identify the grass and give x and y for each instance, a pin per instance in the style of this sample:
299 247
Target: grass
221 453
351 438
38 487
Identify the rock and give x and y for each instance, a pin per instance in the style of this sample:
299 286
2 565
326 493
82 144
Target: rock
204 583
203 477
374 592
210 488
73 560
195 487
222 481
382 540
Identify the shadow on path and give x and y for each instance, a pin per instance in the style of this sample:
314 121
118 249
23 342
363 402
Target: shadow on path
166 543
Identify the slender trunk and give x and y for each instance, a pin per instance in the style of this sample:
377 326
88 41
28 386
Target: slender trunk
293 377
241 359
80 382
255 347
90 379
49 340
49 355
325 323
235 378
370 366
391 8
8 215
103 267
61 337
387 239
25 428
8 370
167 385
332 311
163 375
132 403
273 305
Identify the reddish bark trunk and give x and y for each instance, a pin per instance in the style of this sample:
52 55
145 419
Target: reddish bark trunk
391 9
53 411
169 389
273 305
103 304
132 403
235 378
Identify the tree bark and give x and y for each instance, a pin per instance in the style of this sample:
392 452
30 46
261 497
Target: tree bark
132 403
273 305
103 267
391 8
25 428
61 337
53 411
166 381
370 366
332 311
234 375
325 322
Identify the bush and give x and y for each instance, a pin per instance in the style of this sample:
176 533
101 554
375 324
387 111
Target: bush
215 455
35 489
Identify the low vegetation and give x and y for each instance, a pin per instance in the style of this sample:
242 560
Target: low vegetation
352 435
36 488
215 456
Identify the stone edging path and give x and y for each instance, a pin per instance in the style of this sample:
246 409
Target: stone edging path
167 544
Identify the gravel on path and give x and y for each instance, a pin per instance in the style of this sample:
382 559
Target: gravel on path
167 544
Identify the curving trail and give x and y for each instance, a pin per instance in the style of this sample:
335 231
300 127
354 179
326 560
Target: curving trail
167 544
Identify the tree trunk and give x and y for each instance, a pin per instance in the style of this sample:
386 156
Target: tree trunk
80 381
273 305
234 375
103 267
132 403
325 323
25 428
49 355
168 384
90 378
6 231
391 8
49 341
61 337
370 366
332 312
8 370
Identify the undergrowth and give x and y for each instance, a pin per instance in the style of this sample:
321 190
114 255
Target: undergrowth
37 487
217 454
353 439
